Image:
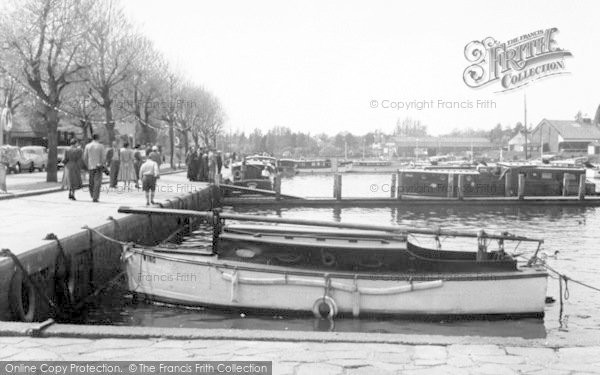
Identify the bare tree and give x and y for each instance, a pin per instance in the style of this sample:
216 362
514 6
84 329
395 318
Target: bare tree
145 87
46 38
212 119
111 53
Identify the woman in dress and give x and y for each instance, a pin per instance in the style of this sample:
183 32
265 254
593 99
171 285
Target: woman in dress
192 164
72 173
126 169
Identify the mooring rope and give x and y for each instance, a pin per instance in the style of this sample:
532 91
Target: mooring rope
122 243
562 276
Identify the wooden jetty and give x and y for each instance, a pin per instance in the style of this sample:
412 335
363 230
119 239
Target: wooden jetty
455 197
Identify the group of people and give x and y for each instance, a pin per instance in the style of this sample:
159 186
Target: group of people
203 164
121 164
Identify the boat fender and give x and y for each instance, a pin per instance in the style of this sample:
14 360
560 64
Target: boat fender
325 307
23 298
237 175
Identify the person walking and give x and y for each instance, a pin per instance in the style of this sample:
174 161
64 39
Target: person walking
72 172
112 159
219 162
192 164
204 166
137 163
155 155
149 172
212 167
94 159
126 169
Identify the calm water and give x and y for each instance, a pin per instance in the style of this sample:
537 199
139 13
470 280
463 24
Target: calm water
572 231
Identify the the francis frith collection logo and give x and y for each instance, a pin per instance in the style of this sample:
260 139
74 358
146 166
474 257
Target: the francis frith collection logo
514 63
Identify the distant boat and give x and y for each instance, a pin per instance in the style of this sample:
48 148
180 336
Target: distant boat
371 166
500 179
331 272
255 172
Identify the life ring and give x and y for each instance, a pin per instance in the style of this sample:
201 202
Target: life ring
327 258
237 174
325 307
22 297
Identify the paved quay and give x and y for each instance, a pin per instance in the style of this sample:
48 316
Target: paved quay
27 220
308 358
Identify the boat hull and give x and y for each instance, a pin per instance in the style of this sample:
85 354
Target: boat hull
208 281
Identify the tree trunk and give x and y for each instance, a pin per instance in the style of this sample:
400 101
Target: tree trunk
172 143
52 126
110 124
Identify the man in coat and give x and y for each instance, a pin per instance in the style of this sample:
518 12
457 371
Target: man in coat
113 161
94 159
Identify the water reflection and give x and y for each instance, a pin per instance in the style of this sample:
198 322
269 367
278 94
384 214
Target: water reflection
570 230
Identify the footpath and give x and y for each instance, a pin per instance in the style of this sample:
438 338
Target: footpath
305 353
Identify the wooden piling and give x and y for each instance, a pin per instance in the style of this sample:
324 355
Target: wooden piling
565 185
400 185
581 191
393 187
460 191
277 186
507 184
450 185
337 186
521 191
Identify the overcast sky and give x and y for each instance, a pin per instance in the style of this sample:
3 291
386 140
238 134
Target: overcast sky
316 65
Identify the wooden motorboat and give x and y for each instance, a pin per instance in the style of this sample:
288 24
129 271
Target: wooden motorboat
254 172
335 269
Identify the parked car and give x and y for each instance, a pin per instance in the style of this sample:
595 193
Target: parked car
60 156
15 160
38 157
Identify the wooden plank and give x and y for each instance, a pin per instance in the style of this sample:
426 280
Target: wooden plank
258 191
320 223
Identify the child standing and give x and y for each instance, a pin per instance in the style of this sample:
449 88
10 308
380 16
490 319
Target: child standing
149 174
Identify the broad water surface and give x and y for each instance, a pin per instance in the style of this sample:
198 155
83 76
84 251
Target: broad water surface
573 232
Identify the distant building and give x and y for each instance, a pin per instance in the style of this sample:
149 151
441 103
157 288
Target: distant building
410 146
570 136
518 142
594 148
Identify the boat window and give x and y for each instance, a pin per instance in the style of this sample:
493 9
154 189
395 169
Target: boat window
546 176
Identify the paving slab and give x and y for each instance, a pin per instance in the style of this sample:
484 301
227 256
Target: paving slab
27 220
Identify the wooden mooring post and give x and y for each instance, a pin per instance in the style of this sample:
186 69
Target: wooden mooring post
507 184
337 186
393 187
400 188
461 191
450 185
581 191
521 191
565 184
277 186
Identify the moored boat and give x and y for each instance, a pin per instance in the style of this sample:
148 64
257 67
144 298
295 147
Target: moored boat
329 272
501 179
254 172
371 166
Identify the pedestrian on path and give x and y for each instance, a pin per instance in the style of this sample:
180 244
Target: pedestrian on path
137 163
73 161
94 159
150 173
155 155
193 163
126 169
113 162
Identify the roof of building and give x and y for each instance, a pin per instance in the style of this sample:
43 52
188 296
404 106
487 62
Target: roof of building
573 130
519 139
443 141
